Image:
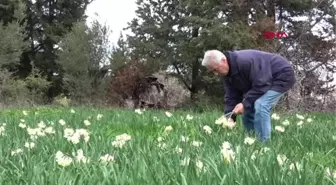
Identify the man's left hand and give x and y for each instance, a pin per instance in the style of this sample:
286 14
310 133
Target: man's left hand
239 109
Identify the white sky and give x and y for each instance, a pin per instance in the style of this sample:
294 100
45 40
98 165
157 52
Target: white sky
115 13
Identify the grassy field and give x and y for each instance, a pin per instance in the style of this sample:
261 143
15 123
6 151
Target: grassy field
106 146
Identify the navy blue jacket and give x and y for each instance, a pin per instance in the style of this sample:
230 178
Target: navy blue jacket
252 73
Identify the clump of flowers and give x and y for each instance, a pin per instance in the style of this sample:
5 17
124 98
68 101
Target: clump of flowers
207 129
330 173
196 143
79 155
281 158
62 159
249 140
226 123
74 136
40 131
2 129
275 116
106 158
280 129
285 123
121 140
168 129
227 153
168 114
16 151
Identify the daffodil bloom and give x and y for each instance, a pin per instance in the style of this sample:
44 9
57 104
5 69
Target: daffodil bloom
275 116
207 129
249 140
280 129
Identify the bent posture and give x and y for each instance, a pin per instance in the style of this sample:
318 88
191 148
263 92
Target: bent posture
254 82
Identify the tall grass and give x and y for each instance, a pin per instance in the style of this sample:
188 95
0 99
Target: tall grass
155 154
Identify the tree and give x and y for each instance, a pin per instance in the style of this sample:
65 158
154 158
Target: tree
12 34
82 54
174 34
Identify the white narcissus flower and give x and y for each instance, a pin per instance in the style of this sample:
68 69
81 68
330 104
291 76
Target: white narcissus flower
264 150
25 113
41 124
329 172
121 140
253 156
279 128
168 114
160 139
156 119
309 120
229 124
207 129
72 111
199 164
106 158
226 123
275 116
2 129
138 111
62 122
162 145
49 130
227 153
281 159
99 117
196 143
300 116
17 151
75 135
62 159
22 125
178 150
185 161
249 140
226 145
168 128
80 157
293 166
189 117
184 139
285 123
29 145
334 137
299 124
87 122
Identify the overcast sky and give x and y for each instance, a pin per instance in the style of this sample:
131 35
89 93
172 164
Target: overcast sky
116 13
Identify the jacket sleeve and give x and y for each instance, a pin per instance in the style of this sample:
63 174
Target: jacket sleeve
261 78
232 98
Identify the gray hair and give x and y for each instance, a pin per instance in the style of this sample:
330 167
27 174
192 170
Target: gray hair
212 56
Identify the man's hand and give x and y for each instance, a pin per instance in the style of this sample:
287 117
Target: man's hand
239 109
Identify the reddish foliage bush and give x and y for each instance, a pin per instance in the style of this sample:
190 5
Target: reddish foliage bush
128 82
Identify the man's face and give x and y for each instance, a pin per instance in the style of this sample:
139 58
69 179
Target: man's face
219 69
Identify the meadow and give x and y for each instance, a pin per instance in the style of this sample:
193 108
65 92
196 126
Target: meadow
64 145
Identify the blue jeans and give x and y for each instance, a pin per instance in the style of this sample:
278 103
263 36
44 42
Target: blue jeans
259 118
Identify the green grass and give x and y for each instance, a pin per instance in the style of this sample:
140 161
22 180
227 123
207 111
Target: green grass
142 161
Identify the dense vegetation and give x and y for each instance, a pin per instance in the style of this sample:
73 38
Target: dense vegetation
48 51
110 146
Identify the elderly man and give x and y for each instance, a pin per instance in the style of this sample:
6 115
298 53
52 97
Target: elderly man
254 82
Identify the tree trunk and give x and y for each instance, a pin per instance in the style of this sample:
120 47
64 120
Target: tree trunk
195 71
